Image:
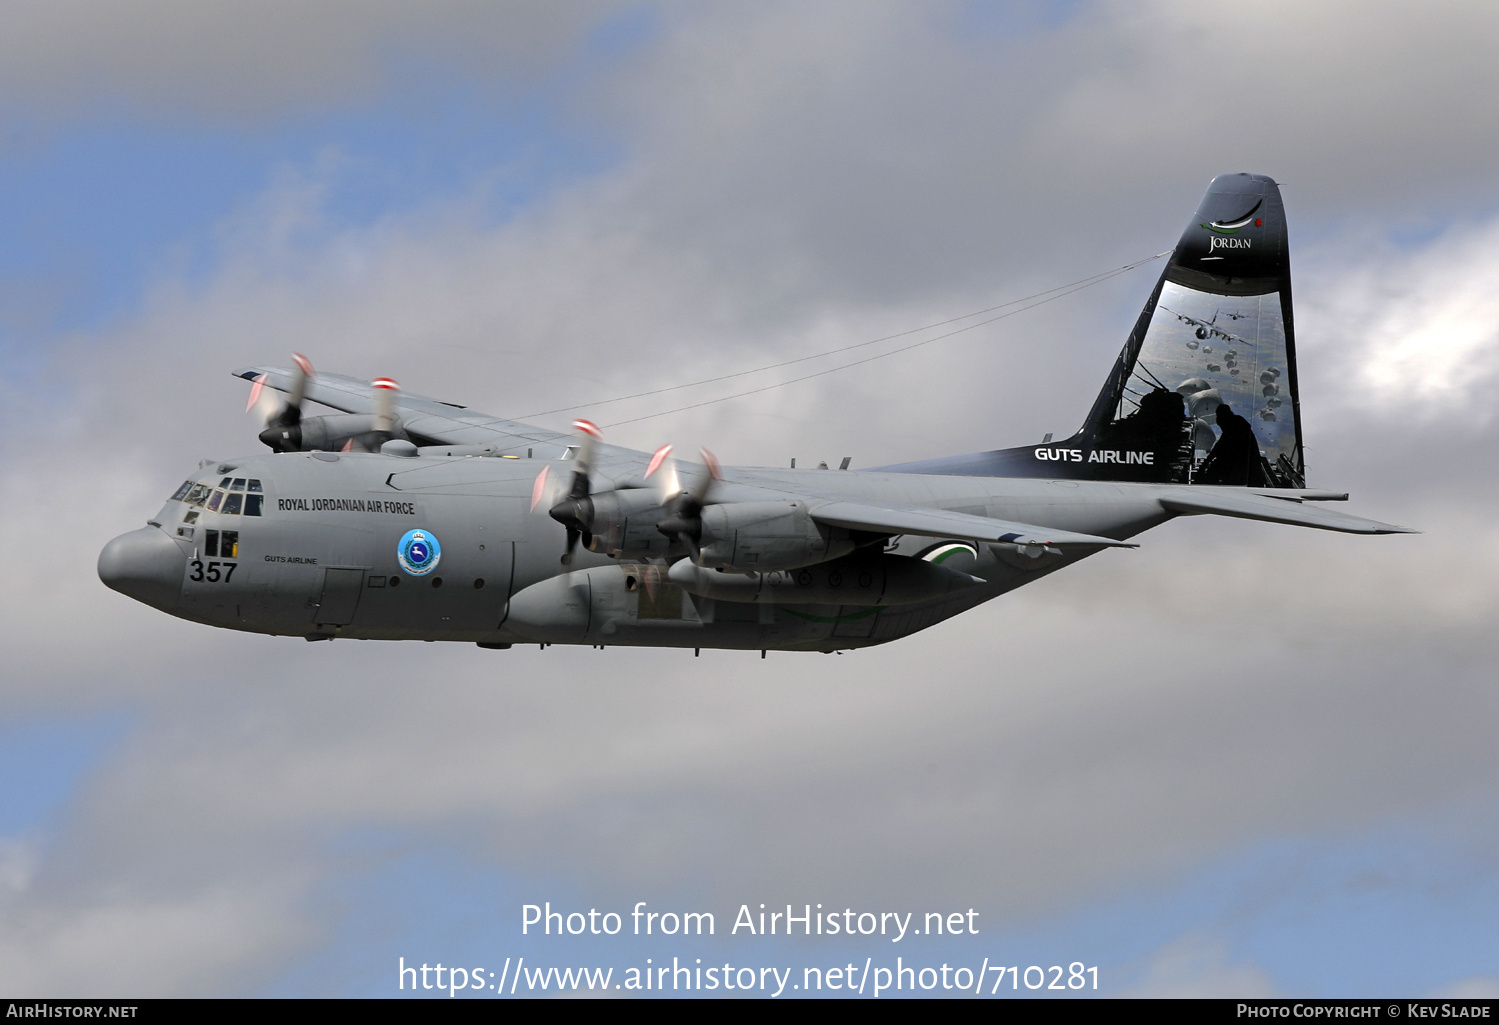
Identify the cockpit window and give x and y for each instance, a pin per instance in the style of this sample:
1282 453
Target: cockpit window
226 498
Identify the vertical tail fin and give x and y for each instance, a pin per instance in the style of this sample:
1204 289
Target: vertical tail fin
1217 331
1205 389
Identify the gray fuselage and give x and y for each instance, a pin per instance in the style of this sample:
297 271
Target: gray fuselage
321 559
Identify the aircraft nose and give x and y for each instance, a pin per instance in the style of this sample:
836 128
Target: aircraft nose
146 565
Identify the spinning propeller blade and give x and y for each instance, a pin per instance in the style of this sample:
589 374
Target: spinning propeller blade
386 391
575 510
282 419
539 489
383 416
255 389
684 495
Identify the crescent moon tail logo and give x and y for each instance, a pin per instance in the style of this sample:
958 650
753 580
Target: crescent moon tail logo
1231 225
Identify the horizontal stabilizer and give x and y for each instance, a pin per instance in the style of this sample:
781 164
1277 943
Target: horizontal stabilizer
892 519
1251 506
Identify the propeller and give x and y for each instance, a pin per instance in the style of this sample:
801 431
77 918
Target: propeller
383 419
540 491
283 419
683 495
575 509
386 391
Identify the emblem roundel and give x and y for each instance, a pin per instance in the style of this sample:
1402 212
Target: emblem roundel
418 552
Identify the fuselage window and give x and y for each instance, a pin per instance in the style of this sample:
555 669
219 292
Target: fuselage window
254 486
187 486
224 483
232 505
197 494
252 504
191 516
238 485
214 500
211 543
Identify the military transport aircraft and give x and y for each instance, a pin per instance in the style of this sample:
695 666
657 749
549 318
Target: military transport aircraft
402 517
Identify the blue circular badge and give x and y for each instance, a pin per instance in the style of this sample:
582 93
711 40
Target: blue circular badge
418 552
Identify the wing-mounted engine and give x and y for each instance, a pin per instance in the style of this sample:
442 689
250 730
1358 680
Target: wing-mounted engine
626 524
677 515
759 537
287 430
739 537
617 521
584 514
337 432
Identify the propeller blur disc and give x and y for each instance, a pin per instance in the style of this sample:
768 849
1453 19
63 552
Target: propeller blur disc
657 458
256 388
539 489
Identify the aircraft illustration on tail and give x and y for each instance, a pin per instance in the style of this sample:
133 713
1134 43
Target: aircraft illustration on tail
402 517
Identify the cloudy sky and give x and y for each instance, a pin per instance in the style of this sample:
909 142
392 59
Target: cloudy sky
1242 760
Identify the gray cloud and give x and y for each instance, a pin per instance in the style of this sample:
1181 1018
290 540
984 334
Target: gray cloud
241 60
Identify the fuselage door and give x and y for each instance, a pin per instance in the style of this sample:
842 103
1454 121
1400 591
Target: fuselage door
342 587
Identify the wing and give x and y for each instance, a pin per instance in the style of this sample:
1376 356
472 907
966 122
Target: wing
429 420
903 519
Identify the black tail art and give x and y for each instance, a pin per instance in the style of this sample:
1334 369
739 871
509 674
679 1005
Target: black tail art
1204 391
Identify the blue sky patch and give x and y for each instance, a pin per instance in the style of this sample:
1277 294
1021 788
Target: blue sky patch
44 760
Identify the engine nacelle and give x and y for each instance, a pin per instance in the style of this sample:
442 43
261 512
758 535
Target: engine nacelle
326 433
624 523
755 537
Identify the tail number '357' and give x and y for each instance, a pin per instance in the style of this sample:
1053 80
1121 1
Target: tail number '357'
214 573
